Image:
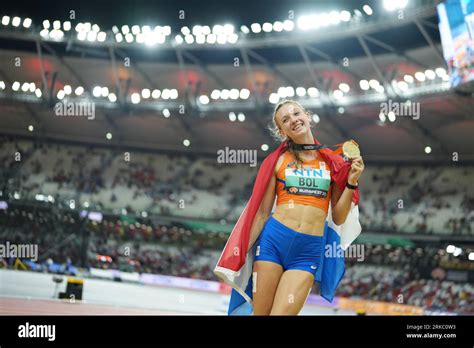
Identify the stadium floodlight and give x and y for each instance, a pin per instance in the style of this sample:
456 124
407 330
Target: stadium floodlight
109 137
313 92
364 85
200 39
427 149
267 27
264 147
46 24
97 91
402 85
282 92
290 92
232 38
87 26
457 252
32 87
471 256
345 16
129 37
244 93
146 93
125 29
166 113
430 74
278 26
228 29
273 98
382 117
446 77
344 87
91 36
25 87
95 28
380 89
166 30
165 94
2 85
225 94
211 39
105 91
140 38
218 30
16 21
391 116
155 94
79 90
185 31
197 30
173 93
81 36
27 23
241 117
61 94
179 39
315 118
186 142
135 30
341 110
368 10
146 29
67 89
101 36
135 98
204 99
31 128
118 37
450 249
338 94
206 30
215 94
6 20
440 72
232 116
256 28
57 25
390 5
420 76
16 86
244 29
189 39
221 39
234 94
408 78
67 26
300 91
112 97
374 83
288 25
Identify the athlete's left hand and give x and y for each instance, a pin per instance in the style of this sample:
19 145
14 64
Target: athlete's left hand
357 167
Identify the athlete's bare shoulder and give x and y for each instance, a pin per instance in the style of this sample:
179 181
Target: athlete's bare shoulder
279 162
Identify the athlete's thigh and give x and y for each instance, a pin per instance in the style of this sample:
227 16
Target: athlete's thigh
292 292
265 281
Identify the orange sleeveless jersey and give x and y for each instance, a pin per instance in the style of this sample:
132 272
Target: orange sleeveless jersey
310 185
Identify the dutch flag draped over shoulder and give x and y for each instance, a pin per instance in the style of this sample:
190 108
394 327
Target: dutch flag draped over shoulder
235 265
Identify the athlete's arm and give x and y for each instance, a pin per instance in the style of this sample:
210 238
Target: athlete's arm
341 200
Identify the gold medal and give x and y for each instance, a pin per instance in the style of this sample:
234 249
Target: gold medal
350 149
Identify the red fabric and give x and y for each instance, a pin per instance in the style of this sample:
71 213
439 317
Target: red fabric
235 252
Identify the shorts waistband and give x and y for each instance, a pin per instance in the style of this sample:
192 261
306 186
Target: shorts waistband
281 227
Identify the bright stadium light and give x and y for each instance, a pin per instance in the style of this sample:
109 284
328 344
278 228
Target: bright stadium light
256 28
16 21
430 74
135 98
155 94
112 97
38 92
391 5
31 128
278 26
345 16
450 249
109 137
165 94
5 20
380 89
189 39
234 94
232 116
244 93
368 10
67 26
374 83
118 37
391 116
420 76
186 142
91 36
382 117
61 94
457 252
105 92
241 117
440 72
364 85
264 147
146 93
344 87
273 98
101 36
221 39
135 30
215 94
315 118
471 256
225 94
204 99
173 93
288 25
179 39
300 91
211 39
27 23
408 78
79 90
16 86
244 29
427 149
57 25
338 94
267 27
313 92
67 89
228 29
166 113
290 92
402 85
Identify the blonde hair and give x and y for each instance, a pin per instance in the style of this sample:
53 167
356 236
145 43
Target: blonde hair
275 128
